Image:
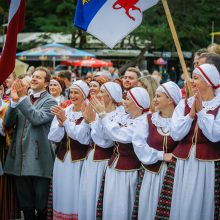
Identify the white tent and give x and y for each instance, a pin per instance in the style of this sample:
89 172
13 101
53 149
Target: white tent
20 67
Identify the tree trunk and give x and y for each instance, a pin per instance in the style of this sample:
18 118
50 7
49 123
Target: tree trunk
133 62
73 39
82 40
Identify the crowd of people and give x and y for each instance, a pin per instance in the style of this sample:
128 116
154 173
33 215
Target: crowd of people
104 147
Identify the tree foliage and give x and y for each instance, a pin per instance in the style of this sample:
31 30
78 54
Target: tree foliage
192 18
50 15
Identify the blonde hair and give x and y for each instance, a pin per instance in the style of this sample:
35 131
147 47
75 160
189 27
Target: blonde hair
214 48
135 70
150 84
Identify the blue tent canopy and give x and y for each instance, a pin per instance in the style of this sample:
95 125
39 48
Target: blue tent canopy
53 52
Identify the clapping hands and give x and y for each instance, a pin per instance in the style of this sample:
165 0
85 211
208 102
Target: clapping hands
18 90
98 105
197 105
88 113
60 114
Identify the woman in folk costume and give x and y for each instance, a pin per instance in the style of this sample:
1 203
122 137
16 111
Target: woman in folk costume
73 134
95 85
153 146
95 165
57 89
191 184
3 107
8 200
122 171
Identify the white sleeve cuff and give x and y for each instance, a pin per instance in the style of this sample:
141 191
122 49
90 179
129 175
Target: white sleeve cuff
104 120
14 104
92 124
65 123
189 118
160 155
85 124
21 99
201 113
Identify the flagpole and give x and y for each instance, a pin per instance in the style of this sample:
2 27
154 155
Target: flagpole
177 44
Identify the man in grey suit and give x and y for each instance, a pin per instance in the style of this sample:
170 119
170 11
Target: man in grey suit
30 157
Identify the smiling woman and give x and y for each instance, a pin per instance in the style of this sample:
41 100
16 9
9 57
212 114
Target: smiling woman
123 166
94 87
94 167
72 134
193 171
153 146
56 89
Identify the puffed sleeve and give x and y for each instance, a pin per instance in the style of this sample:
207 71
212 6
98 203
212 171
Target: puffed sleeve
98 134
144 152
116 132
56 133
180 124
212 131
79 132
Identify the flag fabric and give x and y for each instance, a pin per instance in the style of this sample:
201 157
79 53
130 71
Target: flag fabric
16 21
110 20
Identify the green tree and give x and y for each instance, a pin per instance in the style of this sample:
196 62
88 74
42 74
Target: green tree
3 17
192 18
54 16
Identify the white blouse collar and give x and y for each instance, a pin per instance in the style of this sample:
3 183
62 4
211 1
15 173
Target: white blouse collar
128 121
208 105
116 114
72 116
37 94
121 117
58 98
160 121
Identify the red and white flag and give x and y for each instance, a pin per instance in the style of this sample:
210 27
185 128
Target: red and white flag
16 20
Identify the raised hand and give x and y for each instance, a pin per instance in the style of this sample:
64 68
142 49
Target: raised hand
60 113
198 101
98 105
20 88
14 94
192 112
91 113
84 110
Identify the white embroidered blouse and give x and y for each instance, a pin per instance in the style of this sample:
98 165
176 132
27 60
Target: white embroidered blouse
145 153
210 125
77 132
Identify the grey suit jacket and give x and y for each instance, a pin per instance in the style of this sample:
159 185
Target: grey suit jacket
30 152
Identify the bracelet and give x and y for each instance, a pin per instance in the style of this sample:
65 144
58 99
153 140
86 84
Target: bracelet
102 114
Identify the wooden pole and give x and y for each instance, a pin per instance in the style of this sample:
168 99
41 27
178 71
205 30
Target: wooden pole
177 44
213 36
